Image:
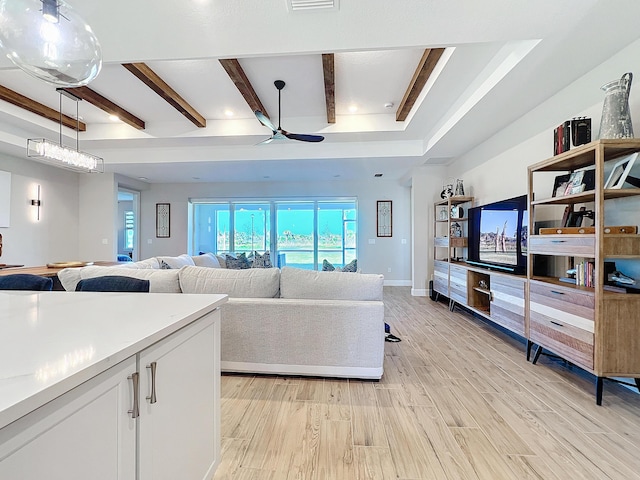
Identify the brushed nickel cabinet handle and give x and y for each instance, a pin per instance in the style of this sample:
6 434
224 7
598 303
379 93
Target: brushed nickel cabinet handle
556 323
557 293
558 241
153 367
135 380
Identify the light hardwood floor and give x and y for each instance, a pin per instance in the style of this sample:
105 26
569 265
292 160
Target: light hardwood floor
458 400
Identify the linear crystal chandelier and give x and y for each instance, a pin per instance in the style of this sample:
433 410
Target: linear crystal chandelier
57 154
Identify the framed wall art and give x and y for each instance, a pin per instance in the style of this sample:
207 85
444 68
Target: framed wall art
163 220
384 218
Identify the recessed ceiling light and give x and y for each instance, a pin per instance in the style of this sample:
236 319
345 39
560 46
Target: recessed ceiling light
378 175
228 113
353 108
388 105
143 178
114 118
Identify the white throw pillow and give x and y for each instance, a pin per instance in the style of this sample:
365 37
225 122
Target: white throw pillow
148 263
206 260
180 261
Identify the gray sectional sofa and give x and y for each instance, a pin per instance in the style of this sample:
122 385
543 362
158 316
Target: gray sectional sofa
287 322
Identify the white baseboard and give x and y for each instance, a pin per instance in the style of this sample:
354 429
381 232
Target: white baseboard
419 292
397 283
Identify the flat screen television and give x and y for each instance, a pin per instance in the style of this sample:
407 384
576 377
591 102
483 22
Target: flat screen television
498 234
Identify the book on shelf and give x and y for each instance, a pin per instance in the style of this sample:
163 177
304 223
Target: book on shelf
585 274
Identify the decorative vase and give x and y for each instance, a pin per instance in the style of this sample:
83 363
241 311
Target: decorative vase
616 117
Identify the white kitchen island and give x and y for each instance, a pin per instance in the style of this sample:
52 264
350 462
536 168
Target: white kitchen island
109 385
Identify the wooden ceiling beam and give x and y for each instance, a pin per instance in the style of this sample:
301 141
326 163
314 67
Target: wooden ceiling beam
239 78
39 109
94 98
328 69
427 63
152 80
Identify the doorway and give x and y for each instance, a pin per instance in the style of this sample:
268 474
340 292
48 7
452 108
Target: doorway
128 224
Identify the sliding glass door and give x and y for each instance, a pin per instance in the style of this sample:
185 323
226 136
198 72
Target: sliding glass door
299 233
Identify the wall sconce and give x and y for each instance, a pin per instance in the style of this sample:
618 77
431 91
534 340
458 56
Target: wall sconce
36 203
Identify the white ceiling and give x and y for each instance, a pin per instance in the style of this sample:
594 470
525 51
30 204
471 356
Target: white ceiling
503 58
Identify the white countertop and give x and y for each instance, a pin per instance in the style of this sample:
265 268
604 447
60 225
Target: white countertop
50 342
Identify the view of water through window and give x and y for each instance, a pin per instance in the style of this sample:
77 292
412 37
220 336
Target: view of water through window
300 233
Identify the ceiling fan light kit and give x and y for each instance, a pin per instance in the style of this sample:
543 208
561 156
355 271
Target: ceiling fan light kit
278 133
50 41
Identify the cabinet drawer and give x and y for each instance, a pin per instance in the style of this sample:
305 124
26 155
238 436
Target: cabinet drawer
562 319
458 284
567 304
570 342
441 241
507 306
570 245
441 278
459 242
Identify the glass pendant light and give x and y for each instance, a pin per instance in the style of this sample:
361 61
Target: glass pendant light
49 40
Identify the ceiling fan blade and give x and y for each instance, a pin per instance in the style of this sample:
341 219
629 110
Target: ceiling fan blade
302 137
264 120
265 142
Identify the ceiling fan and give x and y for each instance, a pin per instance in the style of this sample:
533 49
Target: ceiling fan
279 133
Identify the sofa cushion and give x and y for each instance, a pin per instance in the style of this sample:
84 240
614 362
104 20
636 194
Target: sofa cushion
299 283
176 262
206 260
248 283
160 281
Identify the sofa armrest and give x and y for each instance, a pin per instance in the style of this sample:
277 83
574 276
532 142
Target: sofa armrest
341 333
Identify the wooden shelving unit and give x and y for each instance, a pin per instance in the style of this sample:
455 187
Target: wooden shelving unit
595 329
448 248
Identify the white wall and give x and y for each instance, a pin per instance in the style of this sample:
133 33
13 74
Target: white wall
55 237
426 186
377 258
97 214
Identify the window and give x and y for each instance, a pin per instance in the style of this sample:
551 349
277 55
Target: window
301 232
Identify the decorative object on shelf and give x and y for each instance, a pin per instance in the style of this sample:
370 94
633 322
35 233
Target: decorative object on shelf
620 173
580 131
616 117
456 230
575 219
56 154
70 264
384 226
443 213
163 220
457 211
483 284
560 185
459 188
50 41
574 182
447 191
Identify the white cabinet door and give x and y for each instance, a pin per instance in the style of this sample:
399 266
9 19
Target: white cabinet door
83 434
179 434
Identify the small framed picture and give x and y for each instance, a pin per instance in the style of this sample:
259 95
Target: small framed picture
620 172
560 185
